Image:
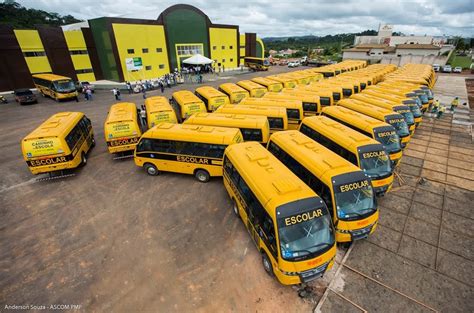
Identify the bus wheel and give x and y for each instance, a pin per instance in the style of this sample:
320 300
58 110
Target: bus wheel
267 264
202 176
151 169
83 159
235 208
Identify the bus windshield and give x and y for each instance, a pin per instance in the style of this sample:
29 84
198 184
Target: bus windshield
375 163
389 139
415 110
408 116
64 85
354 200
401 126
303 235
424 98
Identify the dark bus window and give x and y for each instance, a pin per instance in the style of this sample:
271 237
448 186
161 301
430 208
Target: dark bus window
307 106
250 134
275 122
293 114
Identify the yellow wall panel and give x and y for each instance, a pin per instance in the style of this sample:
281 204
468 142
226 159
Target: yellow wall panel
242 50
86 77
75 40
226 37
138 37
38 65
81 61
30 41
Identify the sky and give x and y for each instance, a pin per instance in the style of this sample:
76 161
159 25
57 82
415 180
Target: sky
293 18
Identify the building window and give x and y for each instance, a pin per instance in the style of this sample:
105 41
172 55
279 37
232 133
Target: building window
231 47
75 52
189 49
148 67
223 47
159 50
215 61
84 71
214 47
130 51
34 54
161 66
231 60
145 50
242 47
223 60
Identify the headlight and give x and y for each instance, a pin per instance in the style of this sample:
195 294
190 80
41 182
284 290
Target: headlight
289 273
343 231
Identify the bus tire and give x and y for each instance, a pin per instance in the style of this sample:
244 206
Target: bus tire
267 264
151 169
83 159
235 208
202 176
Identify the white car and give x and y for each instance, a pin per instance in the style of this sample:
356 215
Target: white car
447 69
294 64
457 69
436 67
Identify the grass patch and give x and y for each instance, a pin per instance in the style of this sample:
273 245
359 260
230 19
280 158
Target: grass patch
464 62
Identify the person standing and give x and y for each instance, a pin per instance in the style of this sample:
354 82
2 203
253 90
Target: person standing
441 110
129 87
88 94
436 106
454 104
144 93
114 92
162 86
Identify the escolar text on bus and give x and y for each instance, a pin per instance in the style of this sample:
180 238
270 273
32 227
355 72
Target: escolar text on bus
353 186
303 217
189 159
373 154
48 161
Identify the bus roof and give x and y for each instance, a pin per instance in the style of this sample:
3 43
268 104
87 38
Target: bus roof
367 109
385 103
354 118
227 120
265 81
210 92
193 133
231 87
185 96
250 85
288 103
157 104
314 156
281 78
386 95
57 125
256 165
252 110
292 95
122 111
50 77
343 135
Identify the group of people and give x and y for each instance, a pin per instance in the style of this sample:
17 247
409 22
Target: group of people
439 109
87 92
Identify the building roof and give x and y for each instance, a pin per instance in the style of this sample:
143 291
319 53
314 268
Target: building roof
418 46
371 46
356 50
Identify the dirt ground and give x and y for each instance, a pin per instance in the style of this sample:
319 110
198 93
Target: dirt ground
113 239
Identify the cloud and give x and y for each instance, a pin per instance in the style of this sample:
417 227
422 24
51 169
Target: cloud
288 18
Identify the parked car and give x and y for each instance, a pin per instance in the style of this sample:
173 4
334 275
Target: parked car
447 69
436 67
457 69
294 64
80 85
25 96
283 62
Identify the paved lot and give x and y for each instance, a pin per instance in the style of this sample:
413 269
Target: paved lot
114 239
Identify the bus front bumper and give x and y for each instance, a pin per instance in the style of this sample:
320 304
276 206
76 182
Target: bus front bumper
356 234
294 278
382 186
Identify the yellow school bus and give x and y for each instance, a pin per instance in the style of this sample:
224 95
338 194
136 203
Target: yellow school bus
62 142
357 148
401 109
336 90
325 95
410 103
288 222
252 127
271 85
188 103
121 128
294 108
234 92
384 115
311 105
347 87
159 110
55 86
393 90
211 97
312 76
369 126
424 92
287 82
187 149
277 118
255 90
346 190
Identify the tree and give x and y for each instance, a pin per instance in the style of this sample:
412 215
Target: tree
14 14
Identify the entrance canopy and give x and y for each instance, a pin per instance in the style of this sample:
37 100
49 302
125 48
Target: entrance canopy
198 59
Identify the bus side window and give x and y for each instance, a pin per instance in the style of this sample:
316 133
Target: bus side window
144 145
269 233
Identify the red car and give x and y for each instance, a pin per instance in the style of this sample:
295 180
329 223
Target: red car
25 96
